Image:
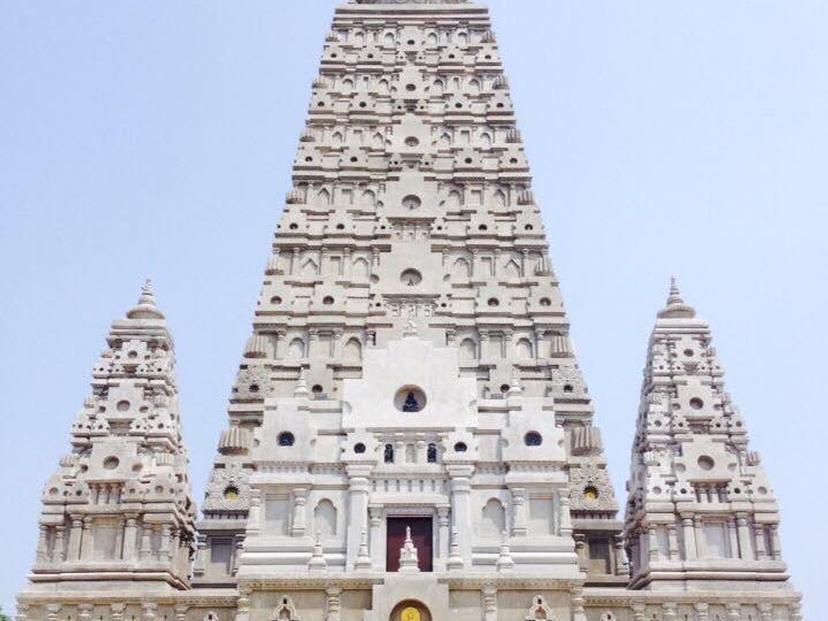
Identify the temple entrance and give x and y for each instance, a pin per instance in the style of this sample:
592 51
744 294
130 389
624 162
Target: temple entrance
410 611
421 535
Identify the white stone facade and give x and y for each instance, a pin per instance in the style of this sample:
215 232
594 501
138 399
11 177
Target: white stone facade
410 437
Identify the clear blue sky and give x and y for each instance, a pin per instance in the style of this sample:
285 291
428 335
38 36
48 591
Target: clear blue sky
156 138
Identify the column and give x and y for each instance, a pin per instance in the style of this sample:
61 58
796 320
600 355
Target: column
638 612
238 542
375 538
734 612
733 537
743 533
652 542
776 543
701 548
357 510
181 612
702 611
75 536
489 602
149 611
460 508
43 544
298 523
254 514
58 549
622 562
333 605
672 541
565 517
145 552
116 611
765 611
519 528
165 547
578 611
442 536
689 532
670 611
85 611
201 550
761 548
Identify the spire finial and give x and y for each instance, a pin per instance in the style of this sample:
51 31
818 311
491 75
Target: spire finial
146 307
675 293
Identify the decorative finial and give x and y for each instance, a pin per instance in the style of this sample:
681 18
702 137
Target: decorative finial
676 308
146 308
675 293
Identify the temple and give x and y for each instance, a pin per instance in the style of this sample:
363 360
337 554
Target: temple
409 436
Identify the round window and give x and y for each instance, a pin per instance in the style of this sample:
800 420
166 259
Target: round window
696 403
706 463
231 493
411 201
412 141
411 277
591 493
327 300
359 448
460 447
110 463
533 438
286 439
410 399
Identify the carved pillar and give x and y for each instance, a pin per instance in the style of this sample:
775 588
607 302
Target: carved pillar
149 611
765 611
489 602
116 611
243 604
59 546
87 550
638 612
652 542
278 343
734 612
733 537
422 448
670 611
622 563
564 517
743 533
761 548
333 603
776 543
519 528
357 510
180 612
85 611
22 612
689 532
52 611
298 525
578 611
796 611
461 509
43 544
165 546
254 514
238 542
701 546
672 542
75 536
145 553
375 538
443 528
702 611
201 550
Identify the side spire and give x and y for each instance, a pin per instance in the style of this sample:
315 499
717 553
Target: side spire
700 507
119 511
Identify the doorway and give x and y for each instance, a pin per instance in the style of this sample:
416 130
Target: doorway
421 535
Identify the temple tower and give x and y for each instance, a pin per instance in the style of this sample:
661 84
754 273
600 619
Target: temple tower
118 512
410 364
701 512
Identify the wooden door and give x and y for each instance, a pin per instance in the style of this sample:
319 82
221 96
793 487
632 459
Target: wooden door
421 535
